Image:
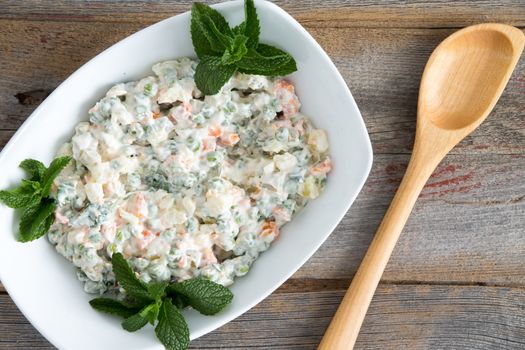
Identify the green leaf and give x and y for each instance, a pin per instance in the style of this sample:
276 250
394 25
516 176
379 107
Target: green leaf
172 329
151 311
32 186
203 295
135 322
211 74
157 289
125 275
236 51
251 27
27 194
267 60
52 172
34 168
218 41
36 220
114 307
179 301
238 29
200 29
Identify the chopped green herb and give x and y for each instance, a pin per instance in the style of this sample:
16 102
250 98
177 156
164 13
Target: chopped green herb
32 198
223 51
160 302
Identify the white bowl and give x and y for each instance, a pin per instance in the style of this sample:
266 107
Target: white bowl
43 284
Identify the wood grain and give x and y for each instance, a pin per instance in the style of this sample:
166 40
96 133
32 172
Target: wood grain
381 66
331 13
460 86
435 293
400 317
481 198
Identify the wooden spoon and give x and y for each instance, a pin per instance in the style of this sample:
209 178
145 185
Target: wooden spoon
462 82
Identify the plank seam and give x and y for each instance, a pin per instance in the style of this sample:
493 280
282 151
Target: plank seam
304 24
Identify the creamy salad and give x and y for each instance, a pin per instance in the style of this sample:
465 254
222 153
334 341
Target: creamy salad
182 184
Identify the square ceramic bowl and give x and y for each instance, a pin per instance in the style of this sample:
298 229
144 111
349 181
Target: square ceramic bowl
43 284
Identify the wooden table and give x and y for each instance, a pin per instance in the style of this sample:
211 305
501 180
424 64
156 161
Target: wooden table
457 277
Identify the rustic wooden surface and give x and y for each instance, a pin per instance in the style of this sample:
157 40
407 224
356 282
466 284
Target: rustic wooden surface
457 276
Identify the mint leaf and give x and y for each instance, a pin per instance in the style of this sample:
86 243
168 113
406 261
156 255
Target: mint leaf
134 287
14 199
236 51
112 306
172 329
203 295
269 51
27 194
135 322
200 29
151 311
238 48
266 60
156 290
34 168
32 196
238 29
52 172
211 74
218 41
179 301
36 220
251 26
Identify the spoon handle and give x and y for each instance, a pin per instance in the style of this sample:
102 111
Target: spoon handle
344 328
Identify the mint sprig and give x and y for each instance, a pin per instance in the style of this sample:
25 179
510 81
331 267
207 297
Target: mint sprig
114 307
212 74
125 276
32 198
160 302
222 50
51 173
34 168
203 295
172 329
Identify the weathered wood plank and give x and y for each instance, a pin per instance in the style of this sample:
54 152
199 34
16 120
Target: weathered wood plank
400 317
381 66
467 226
354 13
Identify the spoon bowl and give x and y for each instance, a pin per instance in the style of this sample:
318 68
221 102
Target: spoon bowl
462 82
467 73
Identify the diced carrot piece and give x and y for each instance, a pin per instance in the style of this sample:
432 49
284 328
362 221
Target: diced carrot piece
284 85
322 168
215 131
229 139
281 214
269 227
208 145
285 93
